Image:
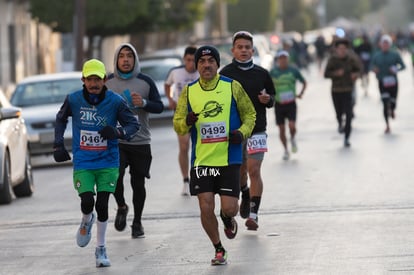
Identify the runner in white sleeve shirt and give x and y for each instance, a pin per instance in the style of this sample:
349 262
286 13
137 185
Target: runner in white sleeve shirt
177 78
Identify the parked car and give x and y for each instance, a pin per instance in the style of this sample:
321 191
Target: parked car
158 68
40 98
15 167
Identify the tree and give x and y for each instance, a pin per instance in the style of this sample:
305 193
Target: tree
352 8
256 16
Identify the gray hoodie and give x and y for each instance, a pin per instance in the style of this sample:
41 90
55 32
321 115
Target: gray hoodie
135 81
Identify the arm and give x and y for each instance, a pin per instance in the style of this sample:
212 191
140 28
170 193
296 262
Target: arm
128 121
331 71
61 121
153 104
400 63
167 88
270 90
246 109
180 115
302 80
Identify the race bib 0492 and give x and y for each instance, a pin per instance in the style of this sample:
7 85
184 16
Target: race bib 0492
213 132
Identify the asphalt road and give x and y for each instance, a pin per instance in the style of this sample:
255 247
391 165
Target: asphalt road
328 210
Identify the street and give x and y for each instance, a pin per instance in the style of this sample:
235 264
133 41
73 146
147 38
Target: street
328 210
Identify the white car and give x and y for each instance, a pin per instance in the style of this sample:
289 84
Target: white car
40 98
15 167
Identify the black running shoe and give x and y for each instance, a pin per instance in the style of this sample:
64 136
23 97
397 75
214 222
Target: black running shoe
231 231
245 205
121 217
137 231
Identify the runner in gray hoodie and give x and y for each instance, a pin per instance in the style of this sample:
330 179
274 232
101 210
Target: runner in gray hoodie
142 95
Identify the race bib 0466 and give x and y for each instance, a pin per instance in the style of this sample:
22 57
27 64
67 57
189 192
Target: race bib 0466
92 141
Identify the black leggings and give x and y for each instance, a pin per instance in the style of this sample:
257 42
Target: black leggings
138 158
101 206
343 103
389 99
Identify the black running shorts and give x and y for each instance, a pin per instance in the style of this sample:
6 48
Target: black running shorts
223 180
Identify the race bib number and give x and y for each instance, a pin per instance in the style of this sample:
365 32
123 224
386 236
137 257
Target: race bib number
213 132
287 97
389 81
365 56
257 144
92 141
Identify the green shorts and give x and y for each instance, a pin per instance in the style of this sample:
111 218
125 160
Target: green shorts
105 180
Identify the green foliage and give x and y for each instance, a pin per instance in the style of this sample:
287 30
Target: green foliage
352 8
297 16
255 16
119 16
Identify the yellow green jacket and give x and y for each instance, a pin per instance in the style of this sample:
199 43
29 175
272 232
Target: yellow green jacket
222 106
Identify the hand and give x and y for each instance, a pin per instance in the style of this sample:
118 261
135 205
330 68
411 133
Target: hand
60 154
264 97
137 99
109 132
235 137
191 118
394 69
339 72
172 104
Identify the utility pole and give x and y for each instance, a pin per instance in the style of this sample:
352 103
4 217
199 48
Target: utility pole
79 32
279 18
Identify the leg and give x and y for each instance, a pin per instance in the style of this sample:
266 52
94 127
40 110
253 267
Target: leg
184 146
101 207
119 191
244 188
256 191
282 135
348 106
337 105
208 218
122 212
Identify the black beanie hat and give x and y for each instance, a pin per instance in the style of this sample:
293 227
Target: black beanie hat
207 50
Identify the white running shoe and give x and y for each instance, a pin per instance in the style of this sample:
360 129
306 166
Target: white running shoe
83 236
286 155
294 145
101 258
186 189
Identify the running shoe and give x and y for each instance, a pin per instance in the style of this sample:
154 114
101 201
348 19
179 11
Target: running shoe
347 143
252 224
220 258
231 231
101 258
294 145
186 189
286 155
121 218
137 231
83 236
245 205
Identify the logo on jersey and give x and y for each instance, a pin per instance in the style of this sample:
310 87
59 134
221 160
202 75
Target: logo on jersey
212 109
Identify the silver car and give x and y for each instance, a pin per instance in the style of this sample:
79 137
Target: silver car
40 98
158 68
15 168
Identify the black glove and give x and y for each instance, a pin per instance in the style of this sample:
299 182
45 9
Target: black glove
109 132
235 137
191 118
60 154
